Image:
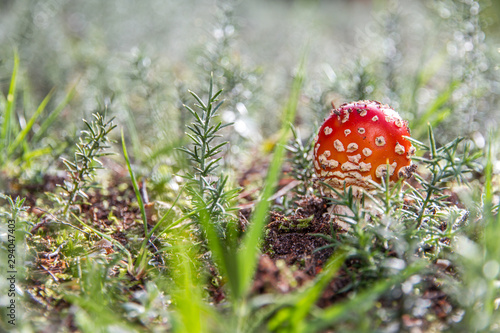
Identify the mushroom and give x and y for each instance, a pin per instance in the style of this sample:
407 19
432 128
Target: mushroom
363 141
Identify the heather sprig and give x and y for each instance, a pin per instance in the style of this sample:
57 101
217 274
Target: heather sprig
450 162
206 189
91 146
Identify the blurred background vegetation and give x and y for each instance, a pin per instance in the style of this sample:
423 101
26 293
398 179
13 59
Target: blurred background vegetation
409 54
435 62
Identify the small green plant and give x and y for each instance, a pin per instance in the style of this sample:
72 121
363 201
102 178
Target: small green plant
13 230
16 207
236 259
92 145
400 230
138 267
97 291
207 190
451 162
476 256
363 242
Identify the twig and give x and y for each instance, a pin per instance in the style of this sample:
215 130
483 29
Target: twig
56 252
50 273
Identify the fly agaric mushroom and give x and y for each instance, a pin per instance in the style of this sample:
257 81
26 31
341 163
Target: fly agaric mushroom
362 141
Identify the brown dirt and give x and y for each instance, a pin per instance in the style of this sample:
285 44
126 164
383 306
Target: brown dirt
292 239
290 256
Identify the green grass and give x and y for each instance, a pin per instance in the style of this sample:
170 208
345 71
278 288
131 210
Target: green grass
147 194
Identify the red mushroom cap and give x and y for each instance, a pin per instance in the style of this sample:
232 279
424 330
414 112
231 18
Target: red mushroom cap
358 141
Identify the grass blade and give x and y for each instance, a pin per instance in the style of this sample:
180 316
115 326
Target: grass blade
136 188
164 217
294 319
435 114
9 108
360 304
103 235
247 256
22 135
45 125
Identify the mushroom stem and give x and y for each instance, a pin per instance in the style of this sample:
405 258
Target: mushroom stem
336 211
